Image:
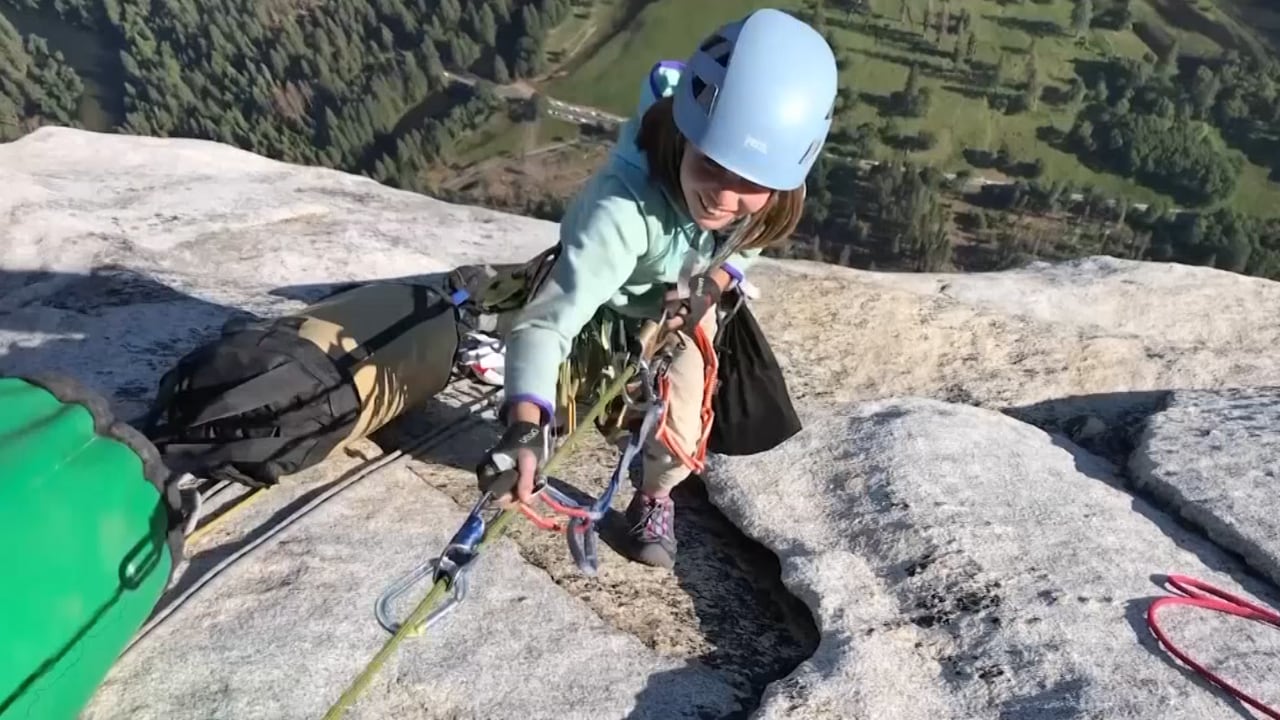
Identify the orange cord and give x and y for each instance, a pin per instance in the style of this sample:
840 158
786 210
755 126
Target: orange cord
710 374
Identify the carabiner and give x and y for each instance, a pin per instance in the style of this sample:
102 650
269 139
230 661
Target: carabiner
457 589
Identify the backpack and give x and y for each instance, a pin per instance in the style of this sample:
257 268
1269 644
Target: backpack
269 398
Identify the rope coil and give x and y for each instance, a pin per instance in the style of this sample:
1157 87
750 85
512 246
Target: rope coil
1197 593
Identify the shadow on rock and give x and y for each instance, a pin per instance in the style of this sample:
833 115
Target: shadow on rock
1135 613
1101 431
113 328
314 292
1105 424
1060 701
448 431
758 631
206 565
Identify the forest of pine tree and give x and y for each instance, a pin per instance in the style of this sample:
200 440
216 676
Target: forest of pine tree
333 84
34 83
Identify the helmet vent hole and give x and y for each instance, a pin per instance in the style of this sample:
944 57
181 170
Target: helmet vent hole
705 93
718 48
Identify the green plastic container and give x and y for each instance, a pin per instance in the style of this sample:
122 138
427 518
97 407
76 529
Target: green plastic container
88 543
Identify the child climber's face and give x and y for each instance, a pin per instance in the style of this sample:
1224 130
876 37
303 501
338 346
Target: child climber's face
715 196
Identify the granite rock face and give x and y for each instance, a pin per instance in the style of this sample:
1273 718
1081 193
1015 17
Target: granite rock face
1214 455
281 634
959 562
962 564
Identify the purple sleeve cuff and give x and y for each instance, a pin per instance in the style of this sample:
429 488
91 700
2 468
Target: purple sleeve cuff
734 272
548 410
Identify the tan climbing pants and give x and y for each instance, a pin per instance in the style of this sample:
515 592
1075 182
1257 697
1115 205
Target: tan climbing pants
663 470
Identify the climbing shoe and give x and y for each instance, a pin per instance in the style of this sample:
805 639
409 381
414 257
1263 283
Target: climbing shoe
651 530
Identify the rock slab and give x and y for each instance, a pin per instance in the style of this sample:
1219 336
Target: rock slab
962 564
1089 337
118 247
1214 455
281 634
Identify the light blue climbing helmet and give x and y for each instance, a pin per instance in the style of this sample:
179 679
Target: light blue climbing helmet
757 97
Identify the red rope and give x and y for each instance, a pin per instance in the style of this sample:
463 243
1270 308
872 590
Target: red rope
1200 594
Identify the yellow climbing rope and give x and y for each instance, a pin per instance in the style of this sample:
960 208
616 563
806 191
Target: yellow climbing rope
410 627
240 505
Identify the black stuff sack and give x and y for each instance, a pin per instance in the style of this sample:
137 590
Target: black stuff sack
753 410
267 399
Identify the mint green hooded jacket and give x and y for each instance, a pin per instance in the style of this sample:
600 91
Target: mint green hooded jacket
622 240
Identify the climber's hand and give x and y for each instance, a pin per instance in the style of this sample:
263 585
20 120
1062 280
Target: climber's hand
701 294
514 463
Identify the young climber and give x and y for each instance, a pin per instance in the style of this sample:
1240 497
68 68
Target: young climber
721 145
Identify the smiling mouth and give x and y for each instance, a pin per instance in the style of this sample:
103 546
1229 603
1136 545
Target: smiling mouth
707 208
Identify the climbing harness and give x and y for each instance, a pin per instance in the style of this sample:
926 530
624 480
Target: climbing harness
449 571
1197 593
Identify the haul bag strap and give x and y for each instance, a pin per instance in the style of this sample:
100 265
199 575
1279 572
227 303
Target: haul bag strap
247 450
423 310
251 394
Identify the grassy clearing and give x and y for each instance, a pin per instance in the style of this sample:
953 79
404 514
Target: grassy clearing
574 34
503 137
880 49
1256 194
960 117
611 78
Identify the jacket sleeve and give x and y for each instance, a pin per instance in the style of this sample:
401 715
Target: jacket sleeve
602 237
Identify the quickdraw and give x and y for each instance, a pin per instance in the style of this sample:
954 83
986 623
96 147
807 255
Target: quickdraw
449 571
580 531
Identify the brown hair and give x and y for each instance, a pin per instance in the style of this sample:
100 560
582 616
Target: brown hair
664 146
